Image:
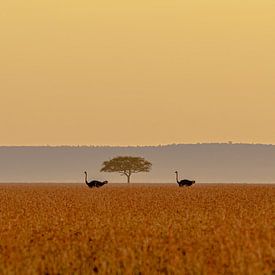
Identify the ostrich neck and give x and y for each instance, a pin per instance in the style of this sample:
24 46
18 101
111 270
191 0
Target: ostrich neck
177 178
86 178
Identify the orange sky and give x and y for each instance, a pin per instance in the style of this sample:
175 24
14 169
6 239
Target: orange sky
137 72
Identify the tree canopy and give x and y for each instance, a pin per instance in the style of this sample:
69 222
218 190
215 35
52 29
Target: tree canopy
126 166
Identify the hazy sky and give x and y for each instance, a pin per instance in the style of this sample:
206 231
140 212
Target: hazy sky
137 72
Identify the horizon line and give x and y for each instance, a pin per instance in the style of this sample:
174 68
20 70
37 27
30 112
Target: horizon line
144 145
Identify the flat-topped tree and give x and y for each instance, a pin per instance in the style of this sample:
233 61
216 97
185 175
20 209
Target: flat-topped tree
126 166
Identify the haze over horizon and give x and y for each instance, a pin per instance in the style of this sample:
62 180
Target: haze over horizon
137 73
231 163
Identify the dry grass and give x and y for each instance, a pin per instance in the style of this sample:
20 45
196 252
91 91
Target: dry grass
205 229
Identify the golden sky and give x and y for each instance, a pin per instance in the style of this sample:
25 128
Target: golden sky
137 72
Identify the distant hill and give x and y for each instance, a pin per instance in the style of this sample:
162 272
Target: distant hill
202 162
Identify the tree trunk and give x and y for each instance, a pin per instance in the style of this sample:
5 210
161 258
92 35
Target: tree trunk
128 178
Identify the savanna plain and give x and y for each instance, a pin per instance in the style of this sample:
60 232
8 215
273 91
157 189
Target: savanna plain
137 229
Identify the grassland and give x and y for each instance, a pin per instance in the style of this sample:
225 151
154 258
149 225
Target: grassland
137 229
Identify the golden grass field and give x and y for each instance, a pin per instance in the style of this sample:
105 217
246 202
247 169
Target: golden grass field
136 229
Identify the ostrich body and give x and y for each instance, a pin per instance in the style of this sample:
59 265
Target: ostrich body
184 182
94 183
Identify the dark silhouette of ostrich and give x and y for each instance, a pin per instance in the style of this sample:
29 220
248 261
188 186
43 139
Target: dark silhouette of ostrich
184 182
94 183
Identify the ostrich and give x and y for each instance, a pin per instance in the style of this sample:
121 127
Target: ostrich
184 182
94 183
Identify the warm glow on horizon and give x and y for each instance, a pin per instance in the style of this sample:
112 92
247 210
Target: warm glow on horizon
134 73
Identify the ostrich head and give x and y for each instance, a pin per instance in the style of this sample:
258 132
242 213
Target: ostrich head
105 182
85 172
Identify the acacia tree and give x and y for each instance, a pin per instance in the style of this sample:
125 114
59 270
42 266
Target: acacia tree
126 166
